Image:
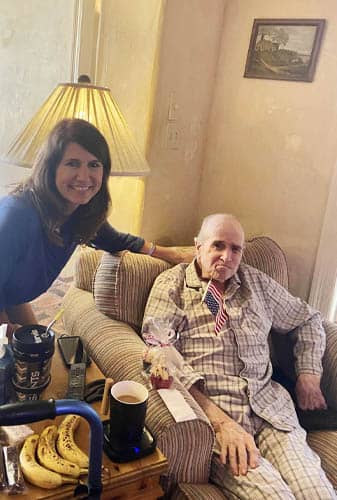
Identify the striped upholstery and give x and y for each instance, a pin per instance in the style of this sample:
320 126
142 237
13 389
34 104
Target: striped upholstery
108 326
324 443
186 491
122 285
117 350
85 267
264 254
330 365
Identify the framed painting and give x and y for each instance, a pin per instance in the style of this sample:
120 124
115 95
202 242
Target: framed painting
284 49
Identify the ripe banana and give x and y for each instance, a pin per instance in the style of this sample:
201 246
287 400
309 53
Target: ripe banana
66 445
48 456
34 472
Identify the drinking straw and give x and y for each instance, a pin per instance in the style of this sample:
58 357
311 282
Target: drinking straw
56 318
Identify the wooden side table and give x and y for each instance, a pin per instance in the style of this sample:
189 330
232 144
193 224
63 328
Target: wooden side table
136 480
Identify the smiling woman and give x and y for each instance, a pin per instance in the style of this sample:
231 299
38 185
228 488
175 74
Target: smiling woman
79 176
64 202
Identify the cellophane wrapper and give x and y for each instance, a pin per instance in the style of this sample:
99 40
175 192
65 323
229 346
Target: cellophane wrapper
161 360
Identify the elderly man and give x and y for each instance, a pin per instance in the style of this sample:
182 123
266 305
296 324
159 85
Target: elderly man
224 310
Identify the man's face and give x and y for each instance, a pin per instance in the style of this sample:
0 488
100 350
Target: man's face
219 255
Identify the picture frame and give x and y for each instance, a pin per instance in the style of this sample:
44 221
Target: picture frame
284 49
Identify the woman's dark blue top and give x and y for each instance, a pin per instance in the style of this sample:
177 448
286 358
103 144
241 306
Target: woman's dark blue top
29 261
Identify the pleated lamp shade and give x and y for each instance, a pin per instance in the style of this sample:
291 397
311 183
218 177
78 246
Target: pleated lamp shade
88 102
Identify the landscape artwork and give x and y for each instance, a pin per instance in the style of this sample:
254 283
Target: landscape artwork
284 49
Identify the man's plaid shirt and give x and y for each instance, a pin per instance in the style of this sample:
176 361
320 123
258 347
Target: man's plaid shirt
234 366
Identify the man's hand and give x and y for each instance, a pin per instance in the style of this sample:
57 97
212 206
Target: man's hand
308 392
238 448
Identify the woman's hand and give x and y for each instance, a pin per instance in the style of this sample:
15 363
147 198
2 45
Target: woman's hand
10 331
16 316
10 328
175 255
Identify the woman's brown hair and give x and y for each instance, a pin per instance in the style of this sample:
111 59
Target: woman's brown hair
87 219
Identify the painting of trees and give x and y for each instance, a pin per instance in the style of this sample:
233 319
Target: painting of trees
284 49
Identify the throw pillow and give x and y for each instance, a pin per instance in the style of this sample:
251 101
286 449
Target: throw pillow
122 284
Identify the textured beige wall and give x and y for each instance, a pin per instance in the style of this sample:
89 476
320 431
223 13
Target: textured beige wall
36 39
127 48
126 63
186 70
272 144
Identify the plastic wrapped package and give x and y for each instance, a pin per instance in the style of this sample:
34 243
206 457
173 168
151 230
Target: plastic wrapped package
14 434
3 482
15 481
161 360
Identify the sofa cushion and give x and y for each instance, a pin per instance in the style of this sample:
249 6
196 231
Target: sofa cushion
264 254
86 264
122 284
197 491
324 443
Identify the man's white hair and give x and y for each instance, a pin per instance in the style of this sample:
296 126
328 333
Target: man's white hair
212 221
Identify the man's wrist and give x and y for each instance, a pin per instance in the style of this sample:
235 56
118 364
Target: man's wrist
316 374
216 424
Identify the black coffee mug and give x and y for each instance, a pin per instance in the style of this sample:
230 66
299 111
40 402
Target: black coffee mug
128 402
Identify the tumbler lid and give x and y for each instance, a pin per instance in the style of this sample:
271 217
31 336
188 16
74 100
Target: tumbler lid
33 338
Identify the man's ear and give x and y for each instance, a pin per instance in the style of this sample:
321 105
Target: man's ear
197 244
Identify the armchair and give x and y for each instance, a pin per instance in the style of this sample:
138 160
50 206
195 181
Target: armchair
105 307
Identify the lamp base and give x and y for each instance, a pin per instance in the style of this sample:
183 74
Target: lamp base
120 452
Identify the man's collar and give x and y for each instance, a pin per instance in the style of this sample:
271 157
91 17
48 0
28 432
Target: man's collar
193 280
192 277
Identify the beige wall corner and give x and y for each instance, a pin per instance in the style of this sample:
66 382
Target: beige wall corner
272 144
187 66
323 293
126 49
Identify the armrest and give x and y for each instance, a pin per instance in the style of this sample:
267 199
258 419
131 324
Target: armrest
329 378
117 350
283 346
86 263
104 338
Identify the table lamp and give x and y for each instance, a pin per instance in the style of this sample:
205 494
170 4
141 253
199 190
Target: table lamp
88 102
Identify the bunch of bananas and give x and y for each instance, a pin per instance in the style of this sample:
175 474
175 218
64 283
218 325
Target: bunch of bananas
53 458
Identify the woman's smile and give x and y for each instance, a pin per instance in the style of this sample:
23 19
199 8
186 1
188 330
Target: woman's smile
78 176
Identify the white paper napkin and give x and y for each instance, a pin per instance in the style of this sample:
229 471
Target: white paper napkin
178 407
